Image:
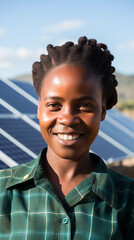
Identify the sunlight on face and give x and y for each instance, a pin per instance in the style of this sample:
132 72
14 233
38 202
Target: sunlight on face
56 81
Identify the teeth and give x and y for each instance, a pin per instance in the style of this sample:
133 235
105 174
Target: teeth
68 137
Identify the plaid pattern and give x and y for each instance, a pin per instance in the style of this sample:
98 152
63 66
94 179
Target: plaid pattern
100 207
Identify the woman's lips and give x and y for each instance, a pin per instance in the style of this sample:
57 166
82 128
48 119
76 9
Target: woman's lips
68 139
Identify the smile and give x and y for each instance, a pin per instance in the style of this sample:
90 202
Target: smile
68 137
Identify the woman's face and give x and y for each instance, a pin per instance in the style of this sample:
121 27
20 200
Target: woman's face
70 110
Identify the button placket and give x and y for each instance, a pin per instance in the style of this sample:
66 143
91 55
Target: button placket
65 220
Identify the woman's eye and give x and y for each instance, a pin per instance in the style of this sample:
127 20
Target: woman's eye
54 106
86 106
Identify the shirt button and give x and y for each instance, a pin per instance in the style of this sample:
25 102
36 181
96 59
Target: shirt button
26 176
65 220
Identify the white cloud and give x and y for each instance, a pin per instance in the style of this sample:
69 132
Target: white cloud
10 58
2 31
13 61
5 64
64 26
127 45
6 53
22 53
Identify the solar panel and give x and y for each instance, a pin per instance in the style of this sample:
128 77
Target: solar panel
115 117
107 150
23 133
21 139
16 100
3 111
27 87
14 152
3 165
118 134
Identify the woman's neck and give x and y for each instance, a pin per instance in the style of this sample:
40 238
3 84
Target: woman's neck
68 168
66 174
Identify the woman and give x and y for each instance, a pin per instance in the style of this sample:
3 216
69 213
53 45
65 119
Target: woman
67 192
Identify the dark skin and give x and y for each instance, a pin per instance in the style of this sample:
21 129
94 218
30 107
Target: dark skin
70 110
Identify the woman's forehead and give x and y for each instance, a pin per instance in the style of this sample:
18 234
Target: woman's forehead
73 81
66 74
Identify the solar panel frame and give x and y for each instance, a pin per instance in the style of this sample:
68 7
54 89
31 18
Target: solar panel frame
14 152
30 138
120 118
117 134
22 104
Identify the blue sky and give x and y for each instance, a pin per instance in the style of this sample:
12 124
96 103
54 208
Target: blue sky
26 27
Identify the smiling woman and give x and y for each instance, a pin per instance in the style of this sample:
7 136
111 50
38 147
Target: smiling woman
67 192
73 107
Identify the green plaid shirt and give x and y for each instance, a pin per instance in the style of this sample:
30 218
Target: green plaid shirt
100 207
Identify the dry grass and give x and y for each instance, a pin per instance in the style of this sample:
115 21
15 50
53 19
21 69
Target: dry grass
125 167
129 113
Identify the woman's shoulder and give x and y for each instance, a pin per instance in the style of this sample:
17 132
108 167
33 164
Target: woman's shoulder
17 172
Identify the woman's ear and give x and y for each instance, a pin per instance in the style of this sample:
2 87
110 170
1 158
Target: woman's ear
38 109
103 113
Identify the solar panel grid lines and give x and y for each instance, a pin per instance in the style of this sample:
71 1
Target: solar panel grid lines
120 126
20 115
20 91
13 152
107 151
122 119
17 143
23 133
15 99
118 135
3 165
12 116
19 122
117 144
27 87
7 160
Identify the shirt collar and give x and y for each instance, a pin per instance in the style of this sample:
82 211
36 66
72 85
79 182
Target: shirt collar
23 173
102 184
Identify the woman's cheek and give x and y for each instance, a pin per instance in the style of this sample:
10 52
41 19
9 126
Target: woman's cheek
45 117
46 120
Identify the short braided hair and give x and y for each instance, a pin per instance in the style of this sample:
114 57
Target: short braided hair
88 53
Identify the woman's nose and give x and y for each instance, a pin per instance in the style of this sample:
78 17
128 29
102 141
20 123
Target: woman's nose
68 117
